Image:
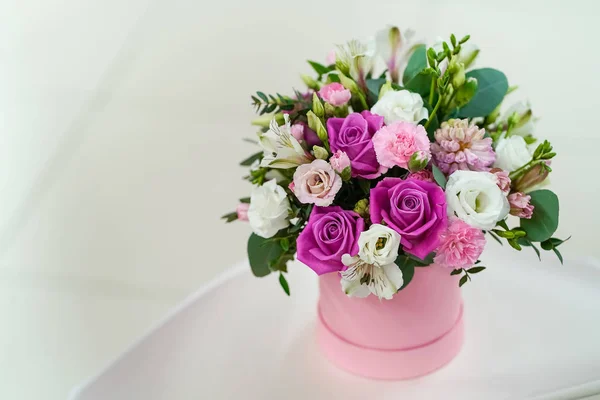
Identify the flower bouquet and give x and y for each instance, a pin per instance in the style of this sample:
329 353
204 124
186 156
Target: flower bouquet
368 177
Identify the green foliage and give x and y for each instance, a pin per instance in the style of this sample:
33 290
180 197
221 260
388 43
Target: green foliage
265 104
439 176
248 161
230 217
407 266
320 69
492 86
416 64
261 252
284 284
544 220
373 87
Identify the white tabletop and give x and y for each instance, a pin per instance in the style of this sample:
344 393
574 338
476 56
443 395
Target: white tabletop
531 332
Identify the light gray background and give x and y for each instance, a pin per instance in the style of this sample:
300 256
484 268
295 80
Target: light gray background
121 132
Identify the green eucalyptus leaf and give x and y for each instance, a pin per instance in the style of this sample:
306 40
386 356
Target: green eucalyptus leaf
544 221
420 84
492 86
374 86
416 63
439 176
261 252
407 266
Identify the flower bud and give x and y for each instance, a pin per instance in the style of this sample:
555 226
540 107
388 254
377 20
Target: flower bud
466 92
533 177
457 70
362 208
349 84
329 110
320 152
467 54
316 125
520 205
317 106
386 87
310 82
418 161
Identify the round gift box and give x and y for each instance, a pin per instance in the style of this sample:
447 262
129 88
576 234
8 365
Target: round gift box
415 333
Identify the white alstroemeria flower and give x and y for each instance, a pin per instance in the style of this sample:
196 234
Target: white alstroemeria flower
476 198
269 209
379 245
361 278
390 46
281 149
526 123
356 58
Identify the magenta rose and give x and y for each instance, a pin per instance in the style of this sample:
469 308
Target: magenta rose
415 209
353 135
330 233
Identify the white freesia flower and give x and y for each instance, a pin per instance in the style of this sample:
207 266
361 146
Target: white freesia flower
400 105
379 245
468 51
512 153
476 198
281 148
361 278
269 208
526 124
356 58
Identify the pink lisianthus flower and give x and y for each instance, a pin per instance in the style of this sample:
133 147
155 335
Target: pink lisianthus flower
396 143
520 205
316 183
460 245
242 211
423 175
460 146
339 161
335 94
503 179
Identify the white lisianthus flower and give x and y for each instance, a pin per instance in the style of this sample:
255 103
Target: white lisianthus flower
378 245
269 209
512 153
476 198
361 278
281 148
400 105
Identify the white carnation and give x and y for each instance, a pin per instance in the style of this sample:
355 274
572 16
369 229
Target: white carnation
400 105
269 209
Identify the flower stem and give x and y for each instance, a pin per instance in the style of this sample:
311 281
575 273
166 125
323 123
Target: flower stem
431 90
437 105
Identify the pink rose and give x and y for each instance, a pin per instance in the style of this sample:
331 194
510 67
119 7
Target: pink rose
242 211
340 161
520 205
423 175
503 179
335 94
460 245
316 183
395 144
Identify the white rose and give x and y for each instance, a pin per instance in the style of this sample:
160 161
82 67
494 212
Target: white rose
268 211
476 198
512 153
378 245
400 105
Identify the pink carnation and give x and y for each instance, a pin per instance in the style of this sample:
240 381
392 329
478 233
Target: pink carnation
335 94
423 175
459 145
503 179
460 245
242 211
520 205
339 161
395 144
